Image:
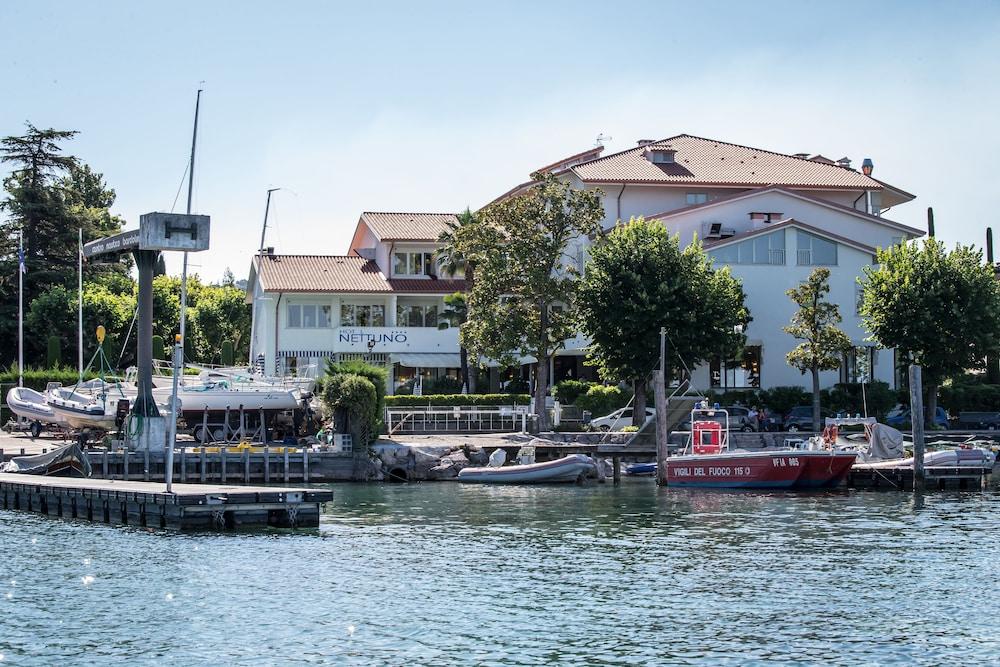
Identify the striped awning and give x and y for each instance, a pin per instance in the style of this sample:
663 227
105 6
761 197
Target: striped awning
428 360
306 353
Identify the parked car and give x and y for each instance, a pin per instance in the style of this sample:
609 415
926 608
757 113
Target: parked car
800 418
900 417
619 419
739 420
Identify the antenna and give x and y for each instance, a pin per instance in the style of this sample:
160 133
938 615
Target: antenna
601 138
267 209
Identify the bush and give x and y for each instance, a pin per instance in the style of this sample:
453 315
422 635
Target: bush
847 398
375 374
568 391
601 400
970 397
359 397
228 353
37 378
402 400
158 352
53 356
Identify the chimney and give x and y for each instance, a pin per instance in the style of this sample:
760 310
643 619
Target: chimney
867 166
645 142
989 245
844 162
269 250
930 222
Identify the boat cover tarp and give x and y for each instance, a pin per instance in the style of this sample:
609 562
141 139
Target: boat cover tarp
886 443
68 461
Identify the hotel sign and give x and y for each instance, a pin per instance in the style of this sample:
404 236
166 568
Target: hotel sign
367 336
390 339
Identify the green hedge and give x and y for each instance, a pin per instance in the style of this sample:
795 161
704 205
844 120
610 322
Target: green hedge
601 400
457 399
568 391
970 397
37 378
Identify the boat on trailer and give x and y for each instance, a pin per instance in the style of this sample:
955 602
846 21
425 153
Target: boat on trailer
708 461
30 404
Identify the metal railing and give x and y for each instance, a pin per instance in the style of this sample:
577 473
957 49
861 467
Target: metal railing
456 419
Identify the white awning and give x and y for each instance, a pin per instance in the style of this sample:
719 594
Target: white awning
428 360
518 361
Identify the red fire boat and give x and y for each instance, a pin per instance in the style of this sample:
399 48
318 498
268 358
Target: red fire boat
708 461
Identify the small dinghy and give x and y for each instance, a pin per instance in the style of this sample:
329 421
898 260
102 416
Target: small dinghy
569 468
68 461
641 469
31 405
83 410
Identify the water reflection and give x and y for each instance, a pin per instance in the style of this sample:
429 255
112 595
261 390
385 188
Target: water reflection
449 574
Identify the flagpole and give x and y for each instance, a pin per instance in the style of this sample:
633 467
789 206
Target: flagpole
79 307
20 310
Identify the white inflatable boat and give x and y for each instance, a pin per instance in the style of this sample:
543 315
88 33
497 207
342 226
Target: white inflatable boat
567 469
31 405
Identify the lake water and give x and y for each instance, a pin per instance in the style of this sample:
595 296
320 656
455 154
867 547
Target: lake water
447 574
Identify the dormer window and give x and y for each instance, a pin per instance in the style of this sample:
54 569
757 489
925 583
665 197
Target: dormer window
660 155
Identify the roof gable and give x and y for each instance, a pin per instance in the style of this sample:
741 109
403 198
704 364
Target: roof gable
347 274
709 162
792 223
912 231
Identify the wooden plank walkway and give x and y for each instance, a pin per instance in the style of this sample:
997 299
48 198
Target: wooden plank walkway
147 504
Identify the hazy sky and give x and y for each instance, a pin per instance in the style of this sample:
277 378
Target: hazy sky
435 106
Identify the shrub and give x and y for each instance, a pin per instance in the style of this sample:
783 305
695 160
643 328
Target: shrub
37 378
629 429
158 352
359 397
568 391
601 400
780 400
846 398
375 374
402 400
228 353
53 356
970 397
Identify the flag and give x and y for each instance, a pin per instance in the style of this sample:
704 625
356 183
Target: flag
20 261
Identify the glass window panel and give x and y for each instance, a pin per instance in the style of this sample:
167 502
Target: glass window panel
378 316
309 317
726 255
824 252
761 250
746 252
431 316
362 315
402 316
399 263
347 315
428 262
294 316
414 316
325 316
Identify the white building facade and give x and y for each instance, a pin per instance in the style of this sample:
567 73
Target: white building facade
772 218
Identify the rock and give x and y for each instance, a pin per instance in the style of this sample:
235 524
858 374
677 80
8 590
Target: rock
478 457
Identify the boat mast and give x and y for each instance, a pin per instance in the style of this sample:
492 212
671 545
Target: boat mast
184 267
260 269
79 306
20 309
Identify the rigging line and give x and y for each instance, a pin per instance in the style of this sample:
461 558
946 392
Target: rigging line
187 165
128 335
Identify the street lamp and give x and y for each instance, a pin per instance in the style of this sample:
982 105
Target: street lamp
867 166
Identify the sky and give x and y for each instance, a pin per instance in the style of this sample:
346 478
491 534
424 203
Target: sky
435 106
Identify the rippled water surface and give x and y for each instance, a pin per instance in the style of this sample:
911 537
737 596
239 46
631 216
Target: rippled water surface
449 574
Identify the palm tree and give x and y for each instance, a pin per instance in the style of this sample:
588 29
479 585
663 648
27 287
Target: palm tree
452 260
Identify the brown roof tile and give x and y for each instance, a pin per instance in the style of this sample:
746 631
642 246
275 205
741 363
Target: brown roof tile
701 161
433 285
407 226
321 273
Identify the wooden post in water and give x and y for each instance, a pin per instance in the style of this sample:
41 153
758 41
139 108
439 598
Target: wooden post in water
267 464
660 400
286 463
616 469
125 464
184 468
202 464
246 465
917 421
223 455
305 464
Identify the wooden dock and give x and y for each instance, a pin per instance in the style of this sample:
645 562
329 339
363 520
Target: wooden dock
148 505
951 478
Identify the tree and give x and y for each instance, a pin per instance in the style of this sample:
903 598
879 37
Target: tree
50 196
456 313
815 324
522 298
453 261
222 314
939 309
638 280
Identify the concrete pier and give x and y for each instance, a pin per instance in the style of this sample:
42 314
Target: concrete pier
148 505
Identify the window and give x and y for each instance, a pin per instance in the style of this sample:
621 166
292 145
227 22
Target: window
362 316
815 251
857 364
696 198
859 294
412 263
766 249
308 316
742 373
416 315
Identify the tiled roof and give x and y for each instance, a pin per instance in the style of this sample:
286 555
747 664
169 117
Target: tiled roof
320 273
349 274
407 226
701 161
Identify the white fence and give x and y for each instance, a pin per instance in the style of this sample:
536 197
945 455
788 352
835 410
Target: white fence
457 419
